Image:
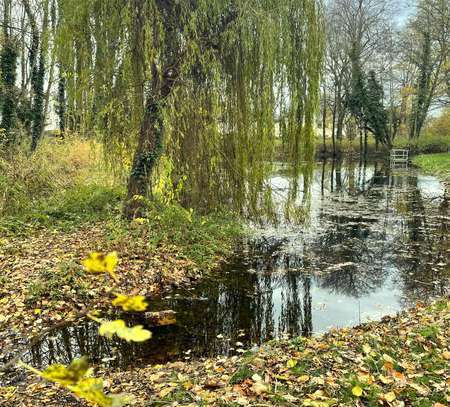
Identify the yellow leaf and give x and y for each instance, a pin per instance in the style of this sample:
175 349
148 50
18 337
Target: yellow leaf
303 378
135 334
91 389
135 303
164 392
67 375
390 397
109 328
357 391
291 363
101 263
422 390
384 379
446 355
259 388
387 358
366 348
140 221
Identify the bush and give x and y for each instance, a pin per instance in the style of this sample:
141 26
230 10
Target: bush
425 144
63 180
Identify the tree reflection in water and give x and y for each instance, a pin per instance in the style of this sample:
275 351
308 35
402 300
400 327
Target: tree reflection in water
342 238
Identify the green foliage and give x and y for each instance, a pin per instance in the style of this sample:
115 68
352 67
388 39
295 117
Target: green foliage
358 98
81 203
217 72
62 183
426 144
430 332
376 116
199 238
242 373
436 164
439 126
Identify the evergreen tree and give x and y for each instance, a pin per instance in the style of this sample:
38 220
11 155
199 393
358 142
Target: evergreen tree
375 114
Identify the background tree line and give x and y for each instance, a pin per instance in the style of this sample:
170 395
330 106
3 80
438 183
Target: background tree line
382 78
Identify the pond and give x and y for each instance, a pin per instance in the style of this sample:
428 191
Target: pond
371 242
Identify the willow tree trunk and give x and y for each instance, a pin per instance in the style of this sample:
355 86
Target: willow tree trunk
147 153
151 137
365 142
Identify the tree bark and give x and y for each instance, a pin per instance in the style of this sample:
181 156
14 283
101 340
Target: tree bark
365 142
333 133
150 141
324 119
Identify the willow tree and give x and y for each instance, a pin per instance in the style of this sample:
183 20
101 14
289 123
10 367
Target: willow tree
204 83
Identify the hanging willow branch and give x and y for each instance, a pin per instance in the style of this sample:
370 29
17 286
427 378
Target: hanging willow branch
223 80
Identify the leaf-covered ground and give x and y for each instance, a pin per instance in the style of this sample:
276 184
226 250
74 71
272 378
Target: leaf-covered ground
401 361
42 282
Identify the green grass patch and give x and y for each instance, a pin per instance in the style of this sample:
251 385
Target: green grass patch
202 239
435 164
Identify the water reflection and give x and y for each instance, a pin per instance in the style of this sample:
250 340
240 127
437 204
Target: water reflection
373 242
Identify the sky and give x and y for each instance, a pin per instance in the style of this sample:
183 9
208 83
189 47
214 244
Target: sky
402 10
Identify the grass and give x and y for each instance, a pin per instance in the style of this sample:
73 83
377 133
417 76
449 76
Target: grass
435 164
202 239
67 279
62 184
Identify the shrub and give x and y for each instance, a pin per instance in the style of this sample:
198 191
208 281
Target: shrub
63 180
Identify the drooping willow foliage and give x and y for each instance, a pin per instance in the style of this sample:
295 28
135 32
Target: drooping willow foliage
229 80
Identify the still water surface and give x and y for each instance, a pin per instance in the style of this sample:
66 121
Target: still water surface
371 242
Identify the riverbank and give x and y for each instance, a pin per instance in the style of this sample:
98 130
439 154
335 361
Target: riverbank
63 205
400 361
43 282
428 144
46 285
435 164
